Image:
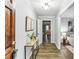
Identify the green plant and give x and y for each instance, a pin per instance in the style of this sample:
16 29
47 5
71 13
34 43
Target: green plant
31 36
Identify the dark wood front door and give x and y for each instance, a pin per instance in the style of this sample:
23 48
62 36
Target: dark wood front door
9 32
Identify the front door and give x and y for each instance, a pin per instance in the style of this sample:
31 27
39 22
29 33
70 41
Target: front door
9 32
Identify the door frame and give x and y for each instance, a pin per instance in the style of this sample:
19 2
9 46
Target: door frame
42 28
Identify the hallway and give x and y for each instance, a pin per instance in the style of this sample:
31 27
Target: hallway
50 51
28 27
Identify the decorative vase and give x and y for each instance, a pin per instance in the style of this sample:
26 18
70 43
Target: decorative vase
33 39
28 40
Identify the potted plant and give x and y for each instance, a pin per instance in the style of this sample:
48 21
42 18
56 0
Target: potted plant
33 38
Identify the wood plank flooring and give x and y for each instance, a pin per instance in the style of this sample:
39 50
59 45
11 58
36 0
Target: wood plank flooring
50 51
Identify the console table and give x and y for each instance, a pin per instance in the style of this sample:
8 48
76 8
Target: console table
29 47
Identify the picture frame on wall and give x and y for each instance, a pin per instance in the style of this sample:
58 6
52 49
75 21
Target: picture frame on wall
28 24
70 26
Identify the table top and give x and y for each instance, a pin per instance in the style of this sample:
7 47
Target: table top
30 44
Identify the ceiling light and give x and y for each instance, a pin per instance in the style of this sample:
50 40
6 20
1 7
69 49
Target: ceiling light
45 5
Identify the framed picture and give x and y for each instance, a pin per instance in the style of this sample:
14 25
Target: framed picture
70 26
28 24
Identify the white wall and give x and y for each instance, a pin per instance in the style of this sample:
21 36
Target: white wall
40 30
64 24
23 9
57 32
53 30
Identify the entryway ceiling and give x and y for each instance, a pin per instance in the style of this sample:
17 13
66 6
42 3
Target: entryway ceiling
69 13
55 6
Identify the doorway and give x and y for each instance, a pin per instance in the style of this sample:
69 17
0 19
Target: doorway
46 27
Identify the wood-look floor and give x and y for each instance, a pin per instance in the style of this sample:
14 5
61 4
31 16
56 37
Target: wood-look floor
50 51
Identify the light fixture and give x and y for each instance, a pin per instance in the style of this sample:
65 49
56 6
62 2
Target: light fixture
45 4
